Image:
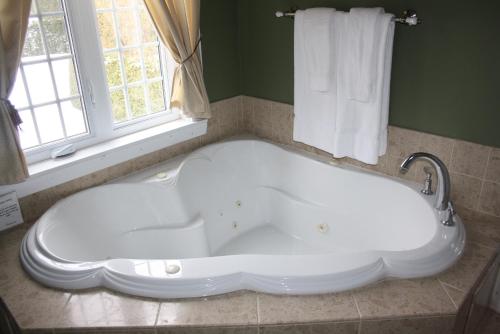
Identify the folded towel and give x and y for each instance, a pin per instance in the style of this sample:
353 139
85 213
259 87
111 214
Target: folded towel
363 43
314 88
316 28
361 124
350 117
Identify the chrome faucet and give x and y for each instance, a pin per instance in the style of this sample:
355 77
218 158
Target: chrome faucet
443 202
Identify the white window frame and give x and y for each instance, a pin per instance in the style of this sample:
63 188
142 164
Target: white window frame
84 35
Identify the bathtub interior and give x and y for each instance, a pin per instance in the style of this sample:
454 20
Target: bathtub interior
240 197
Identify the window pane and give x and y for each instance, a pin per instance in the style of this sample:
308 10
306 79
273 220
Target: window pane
65 78
39 83
113 68
49 123
132 62
137 101
148 29
55 34
118 105
45 6
107 30
102 4
134 68
128 28
152 62
48 81
18 95
74 118
27 133
156 96
33 45
125 3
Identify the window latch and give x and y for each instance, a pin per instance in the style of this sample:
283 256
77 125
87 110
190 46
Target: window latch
91 92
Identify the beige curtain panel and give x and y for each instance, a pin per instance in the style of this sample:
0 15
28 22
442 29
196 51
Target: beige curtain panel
178 25
13 24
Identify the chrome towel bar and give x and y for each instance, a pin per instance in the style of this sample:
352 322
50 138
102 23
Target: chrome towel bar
409 17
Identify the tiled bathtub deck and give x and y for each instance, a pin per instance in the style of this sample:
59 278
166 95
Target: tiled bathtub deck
419 305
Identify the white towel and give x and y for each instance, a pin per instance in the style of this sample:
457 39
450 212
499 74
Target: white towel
316 29
363 41
314 105
361 123
350 118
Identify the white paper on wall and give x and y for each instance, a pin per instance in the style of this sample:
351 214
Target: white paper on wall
10 212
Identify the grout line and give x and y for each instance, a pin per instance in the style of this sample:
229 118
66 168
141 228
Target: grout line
67 301
478 204
157 315
258 310
447 293
357 306
451 286
486 212
487 162
467 175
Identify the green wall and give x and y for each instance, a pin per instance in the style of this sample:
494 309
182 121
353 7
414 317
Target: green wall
445 73
219 29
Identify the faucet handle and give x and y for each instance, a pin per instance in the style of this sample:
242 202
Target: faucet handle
427 190
449 214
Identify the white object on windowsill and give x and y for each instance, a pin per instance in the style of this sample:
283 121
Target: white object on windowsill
62 152
49 173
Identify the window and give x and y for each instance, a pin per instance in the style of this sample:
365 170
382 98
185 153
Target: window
132 58
46 91
90 71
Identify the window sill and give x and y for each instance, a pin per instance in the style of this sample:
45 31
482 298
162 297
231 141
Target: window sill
49 173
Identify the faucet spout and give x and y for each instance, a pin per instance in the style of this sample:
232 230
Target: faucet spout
443 186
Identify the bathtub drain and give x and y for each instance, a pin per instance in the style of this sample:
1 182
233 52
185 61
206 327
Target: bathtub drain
322 228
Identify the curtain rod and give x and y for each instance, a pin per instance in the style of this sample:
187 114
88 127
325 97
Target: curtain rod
409 17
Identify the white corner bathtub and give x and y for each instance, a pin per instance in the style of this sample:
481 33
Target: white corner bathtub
242 214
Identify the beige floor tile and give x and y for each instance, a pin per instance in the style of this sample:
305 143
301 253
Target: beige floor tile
318 328
402 142
237 308
208 330
464 274
481 228
489 201
493 169
33 305
439 146
101 309
469 158
403 298
441 325
125 330
276 309
465 190
456 295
